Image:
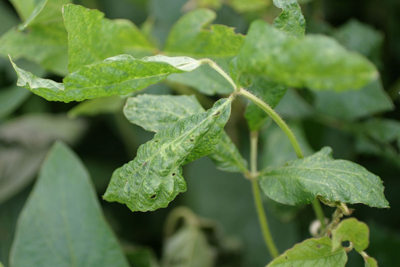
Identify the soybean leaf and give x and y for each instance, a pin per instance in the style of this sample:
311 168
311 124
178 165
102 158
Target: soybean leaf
45 39
293 106
190 37
315 61
93 38
117 75
243 6
301 181
154 178
141 257
188 247
370 262
10 99
101 105
155 113
7 18
291 21
352 105
351 230
1 264
312 252
73 221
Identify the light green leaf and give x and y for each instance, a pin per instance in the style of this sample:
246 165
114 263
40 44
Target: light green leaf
351 230
312 252
73 221
352 105
156 113
188 247
117 75
10 99
190 37
141 256
315 61
370 262
291 21
301 181
154 178
101 105
93 38
1 264
243 6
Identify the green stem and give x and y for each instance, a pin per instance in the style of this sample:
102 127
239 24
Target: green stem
262 217
264 106
215 66
285 128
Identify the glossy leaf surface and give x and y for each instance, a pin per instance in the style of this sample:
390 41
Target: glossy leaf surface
93 38
155 113
351 230
316 62
312 252
291 21
64 196
154 178
117 75
301 181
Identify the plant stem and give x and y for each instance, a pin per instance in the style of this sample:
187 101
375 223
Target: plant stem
262 217
285 128
215 66
264 106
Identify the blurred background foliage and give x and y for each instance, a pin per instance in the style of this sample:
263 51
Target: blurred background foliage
364 129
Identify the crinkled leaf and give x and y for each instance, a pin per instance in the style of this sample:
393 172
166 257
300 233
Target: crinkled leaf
190 37
243 6
64 196
301 181
310 253
101 105
155 113
10 99
351 230
362 38
352 105
188 247
154 178
93 38
41 130
315 61
291 21
117 75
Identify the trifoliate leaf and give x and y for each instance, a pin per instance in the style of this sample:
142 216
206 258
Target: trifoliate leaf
190 37
65 197
154 178
301 181
351 230
291 21
158 112
315 61
93 38
117 75
312 252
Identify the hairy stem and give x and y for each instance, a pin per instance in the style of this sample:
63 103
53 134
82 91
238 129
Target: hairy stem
215 66
262 217
285 128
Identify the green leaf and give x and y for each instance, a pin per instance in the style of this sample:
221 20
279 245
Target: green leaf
188 247
190 37
312 252
156 113
301 181
141 257
45 39
243 6
293 106
315 61
370 262
10 99
101 105
352 105
291 21
351 230
92 38
117 75
7 18
154 178
73 223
